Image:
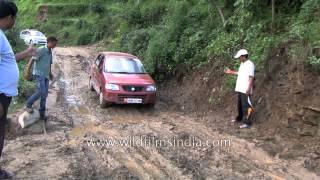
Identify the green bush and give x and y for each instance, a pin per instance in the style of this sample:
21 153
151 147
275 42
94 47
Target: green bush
314 62
168 34
85 38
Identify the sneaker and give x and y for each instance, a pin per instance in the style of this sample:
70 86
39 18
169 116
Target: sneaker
5 174
28 109
234 121
243 126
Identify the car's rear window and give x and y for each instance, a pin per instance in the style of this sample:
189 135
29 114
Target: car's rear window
124 65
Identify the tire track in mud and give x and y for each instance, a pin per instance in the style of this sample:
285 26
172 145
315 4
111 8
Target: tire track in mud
76 118
240 161
123 159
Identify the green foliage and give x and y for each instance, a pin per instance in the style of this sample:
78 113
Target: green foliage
306 25
314 62
167 34
85 38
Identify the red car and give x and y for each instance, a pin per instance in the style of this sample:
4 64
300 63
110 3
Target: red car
120 78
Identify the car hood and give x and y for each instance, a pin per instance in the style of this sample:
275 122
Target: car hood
129 78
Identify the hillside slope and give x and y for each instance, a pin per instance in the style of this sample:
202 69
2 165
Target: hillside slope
171 34
187 44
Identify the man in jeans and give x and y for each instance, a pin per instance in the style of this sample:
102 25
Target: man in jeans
9 72
244 88
42 73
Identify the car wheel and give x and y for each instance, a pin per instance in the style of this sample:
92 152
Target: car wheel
150 106
30 42
102 102
90 85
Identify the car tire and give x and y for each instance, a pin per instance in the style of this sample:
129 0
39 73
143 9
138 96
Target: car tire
102 102
30 42
150 106
90 85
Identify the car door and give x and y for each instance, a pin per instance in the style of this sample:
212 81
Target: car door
100 70
94 70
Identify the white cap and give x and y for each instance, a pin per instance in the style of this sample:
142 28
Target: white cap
241 52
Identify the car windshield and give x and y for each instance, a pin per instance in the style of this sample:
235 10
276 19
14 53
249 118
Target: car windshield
124 65
36 33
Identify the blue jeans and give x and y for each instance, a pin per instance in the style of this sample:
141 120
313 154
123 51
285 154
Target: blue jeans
42 93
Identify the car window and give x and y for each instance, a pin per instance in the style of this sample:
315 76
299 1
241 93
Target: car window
99 58
36 33
124 65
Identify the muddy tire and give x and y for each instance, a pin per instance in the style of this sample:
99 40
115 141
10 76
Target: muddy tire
151 106
90 85
102 102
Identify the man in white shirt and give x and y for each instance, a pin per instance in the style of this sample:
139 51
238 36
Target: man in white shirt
244 88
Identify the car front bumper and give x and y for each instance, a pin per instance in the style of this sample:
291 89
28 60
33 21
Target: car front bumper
122 97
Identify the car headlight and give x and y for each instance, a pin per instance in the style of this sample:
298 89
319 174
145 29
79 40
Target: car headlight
112 87
151 88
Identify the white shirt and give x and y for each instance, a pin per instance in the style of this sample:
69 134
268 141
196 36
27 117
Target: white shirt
9 72
246 70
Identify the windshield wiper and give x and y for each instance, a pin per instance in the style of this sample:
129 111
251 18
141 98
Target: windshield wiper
123 72
120 72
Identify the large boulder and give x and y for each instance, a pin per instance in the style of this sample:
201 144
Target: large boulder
26 119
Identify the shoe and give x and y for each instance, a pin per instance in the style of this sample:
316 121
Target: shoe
243 126
234 121
43 117
28 109
5 174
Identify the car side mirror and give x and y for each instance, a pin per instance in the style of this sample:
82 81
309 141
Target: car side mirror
100 69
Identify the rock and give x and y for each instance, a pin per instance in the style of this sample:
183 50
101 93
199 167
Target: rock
36 128
316 51
272 148
26 119
240 167
313 121
314 156
171 128
96 123
288 155
311 165
299 147
309 130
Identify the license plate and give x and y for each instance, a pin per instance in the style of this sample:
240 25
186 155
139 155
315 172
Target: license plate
133 100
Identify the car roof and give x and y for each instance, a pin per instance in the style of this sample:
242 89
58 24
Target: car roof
119 54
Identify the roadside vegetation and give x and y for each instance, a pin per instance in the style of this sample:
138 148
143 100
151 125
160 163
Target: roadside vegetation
172 34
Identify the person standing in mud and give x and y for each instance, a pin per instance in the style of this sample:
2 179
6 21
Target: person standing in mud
9 72
42 73
244 88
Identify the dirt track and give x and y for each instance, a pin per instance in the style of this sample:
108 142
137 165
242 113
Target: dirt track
76 119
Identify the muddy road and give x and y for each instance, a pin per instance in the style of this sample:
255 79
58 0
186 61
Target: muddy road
129 142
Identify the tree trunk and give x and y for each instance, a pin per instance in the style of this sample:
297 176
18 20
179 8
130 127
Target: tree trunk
220 12
272 15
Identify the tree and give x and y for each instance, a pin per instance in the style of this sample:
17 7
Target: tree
215 4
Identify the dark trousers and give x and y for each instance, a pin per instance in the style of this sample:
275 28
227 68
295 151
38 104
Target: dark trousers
245 108
4 105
